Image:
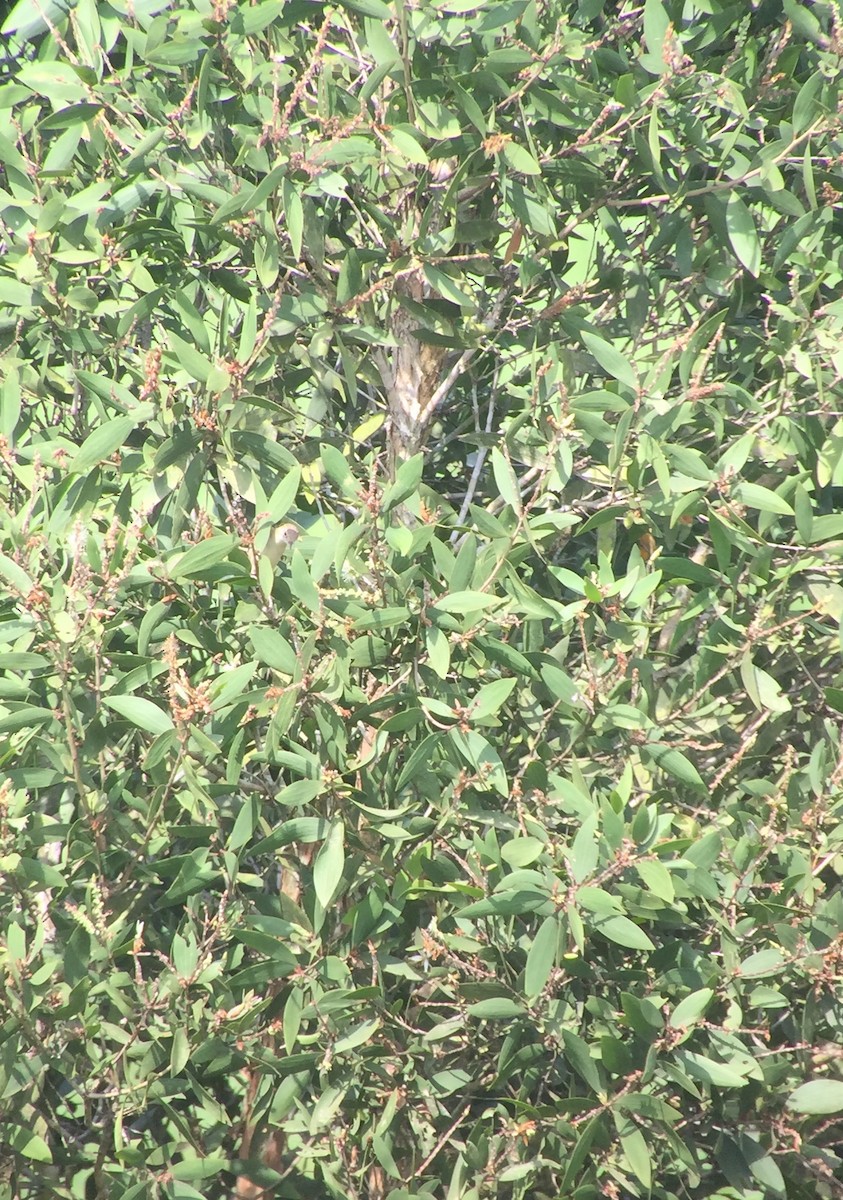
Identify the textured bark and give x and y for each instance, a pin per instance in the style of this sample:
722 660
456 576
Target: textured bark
411 373
270 1154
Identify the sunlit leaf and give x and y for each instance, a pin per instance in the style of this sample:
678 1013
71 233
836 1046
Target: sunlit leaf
140 712
743 234
818 1097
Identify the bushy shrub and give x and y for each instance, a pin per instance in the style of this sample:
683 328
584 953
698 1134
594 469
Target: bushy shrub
421 624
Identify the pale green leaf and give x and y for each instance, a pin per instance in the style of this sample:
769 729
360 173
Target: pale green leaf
142 713
818 1097
624 932
690 1010
610 359
498 1009
506 480
329 865
541 957
743 235
102 443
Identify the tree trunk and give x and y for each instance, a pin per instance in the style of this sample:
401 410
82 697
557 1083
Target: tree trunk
411 373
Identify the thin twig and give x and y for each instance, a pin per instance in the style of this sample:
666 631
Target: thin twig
462 362
420 1170
478 467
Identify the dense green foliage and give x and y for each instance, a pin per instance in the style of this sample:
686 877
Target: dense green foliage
486 838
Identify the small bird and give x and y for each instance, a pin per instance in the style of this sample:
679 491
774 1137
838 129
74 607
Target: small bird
280 540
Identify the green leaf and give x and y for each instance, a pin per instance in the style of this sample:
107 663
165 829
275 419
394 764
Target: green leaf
350 282
742 234
81 298
558 683
15 575
39 876
274 650
530 211
490 698
483 758
337 469
141 713
520 159
522 851
673 762
767 1172
369 8
284 496
383 618
28 1144
179 1052
656 23
27 21
804 513
56 80
437 121
465 603
762 688
195 561
448 288
293 216
303 586
597 900
505 655
763 962
27 662
329 865
610 359
245 824
688 570
635 1149
690 1010
498 1009
14 293
541 957
818 1097
381 1143
506 480
624 932
198 1168
187 356
585 851
406 482
699 1066
26 717
358 1035
257 197
579 1155
298 829
755 496
657 879
806 107
102 443
515 903
406 145
300 792
438 650
579 1056
125 201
